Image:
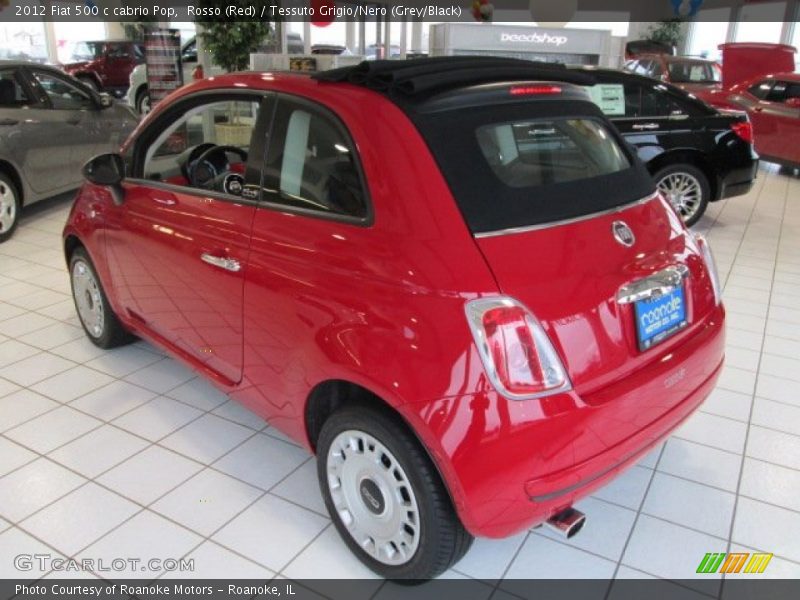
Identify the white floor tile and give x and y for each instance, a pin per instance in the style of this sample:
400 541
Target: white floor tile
327 557
291 529
779 389
24 323
146 536
771 483
212 561
760 525
262 461
627 489
207 438
489 559
234 411
690 504
35 368
52 336
79 518
776 415
777 568
199 393
541 558
33 486
6 387
150 474
13 543
22 405
162 376
715 431
98 451
123 361
701 464
53 429
725 403
302 487
13 456
72 384
157 418
12 351
773 446
206 501
113 400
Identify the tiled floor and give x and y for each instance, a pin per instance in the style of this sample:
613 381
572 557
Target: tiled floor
127 453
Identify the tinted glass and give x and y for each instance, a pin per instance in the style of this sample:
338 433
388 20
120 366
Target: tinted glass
12 94
793 91
778 92
693 72
311 163
63 95
761 89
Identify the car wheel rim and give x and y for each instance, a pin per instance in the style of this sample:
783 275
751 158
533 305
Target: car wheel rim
144 105
8 208
373 497
684 192
88 299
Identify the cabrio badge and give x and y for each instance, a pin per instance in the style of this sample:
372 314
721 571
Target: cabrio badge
623 233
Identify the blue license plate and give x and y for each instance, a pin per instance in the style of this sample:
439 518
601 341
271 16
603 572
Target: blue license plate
659 318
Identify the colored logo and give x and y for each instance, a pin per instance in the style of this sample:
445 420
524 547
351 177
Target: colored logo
622 233
734 562
685 8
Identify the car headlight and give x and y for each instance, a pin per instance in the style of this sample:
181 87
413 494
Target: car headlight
711 265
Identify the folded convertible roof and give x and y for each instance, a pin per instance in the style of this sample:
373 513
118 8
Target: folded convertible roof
419 78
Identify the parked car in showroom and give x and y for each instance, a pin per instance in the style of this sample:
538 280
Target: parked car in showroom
105 66
697 154
475 314
50 125
696 75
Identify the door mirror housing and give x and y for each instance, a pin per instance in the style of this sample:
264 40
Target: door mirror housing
793 102
107 170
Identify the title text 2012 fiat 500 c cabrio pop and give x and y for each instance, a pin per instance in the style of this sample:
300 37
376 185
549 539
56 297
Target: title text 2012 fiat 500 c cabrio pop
449 278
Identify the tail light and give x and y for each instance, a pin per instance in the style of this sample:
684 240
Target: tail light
744 129
534 90
519 358
711 265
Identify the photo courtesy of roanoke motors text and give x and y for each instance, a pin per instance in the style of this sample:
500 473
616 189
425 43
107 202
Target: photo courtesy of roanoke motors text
368 299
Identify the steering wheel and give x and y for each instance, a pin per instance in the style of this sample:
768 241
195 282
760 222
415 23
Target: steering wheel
211 169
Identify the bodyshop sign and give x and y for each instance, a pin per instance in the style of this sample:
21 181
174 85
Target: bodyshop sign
543 38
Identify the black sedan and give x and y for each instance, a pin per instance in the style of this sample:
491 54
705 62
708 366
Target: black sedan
697 154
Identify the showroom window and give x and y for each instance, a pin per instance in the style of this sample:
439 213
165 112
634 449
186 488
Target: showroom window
708 31
12 94
63 95
174 155
761 22
311 163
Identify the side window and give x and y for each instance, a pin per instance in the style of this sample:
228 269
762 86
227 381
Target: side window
778 92
118 51
189 54
657 103
633 100
187 152
311 162
761 89
12 94
793 91
63 95
656 70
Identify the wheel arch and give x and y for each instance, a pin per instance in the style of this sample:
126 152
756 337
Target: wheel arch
691 157
9 170
71 243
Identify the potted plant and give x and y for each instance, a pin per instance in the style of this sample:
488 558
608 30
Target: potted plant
230 44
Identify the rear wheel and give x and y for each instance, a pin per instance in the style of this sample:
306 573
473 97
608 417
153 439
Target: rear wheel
10 207
687 189
98 319
385 497
143 102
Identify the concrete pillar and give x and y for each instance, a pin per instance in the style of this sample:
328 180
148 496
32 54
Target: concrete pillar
403 38
362 38
51 42
306 37
387 44
416 36
350 36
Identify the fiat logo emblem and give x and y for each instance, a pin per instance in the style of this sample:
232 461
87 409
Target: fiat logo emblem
623 233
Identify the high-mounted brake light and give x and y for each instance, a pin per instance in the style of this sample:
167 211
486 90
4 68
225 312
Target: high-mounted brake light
744 130
517 354
534 90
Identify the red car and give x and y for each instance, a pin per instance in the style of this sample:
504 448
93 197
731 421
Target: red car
695 75
456 284
105 65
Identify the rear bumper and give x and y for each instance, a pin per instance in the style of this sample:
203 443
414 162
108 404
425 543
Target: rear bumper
511 465
739 181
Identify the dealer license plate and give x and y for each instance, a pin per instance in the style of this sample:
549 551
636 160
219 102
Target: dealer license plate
660 318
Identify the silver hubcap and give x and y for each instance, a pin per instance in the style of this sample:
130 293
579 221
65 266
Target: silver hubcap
684 193
8 207
373 497
144 105
87 298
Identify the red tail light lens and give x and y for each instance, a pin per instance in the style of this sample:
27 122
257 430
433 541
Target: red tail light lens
534 90
744 130
517 354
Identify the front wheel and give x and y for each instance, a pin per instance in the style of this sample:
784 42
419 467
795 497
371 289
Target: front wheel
385 496
10 207
143 102
98 319
687 189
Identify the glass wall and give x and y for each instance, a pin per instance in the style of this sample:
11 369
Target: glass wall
761 22
708 32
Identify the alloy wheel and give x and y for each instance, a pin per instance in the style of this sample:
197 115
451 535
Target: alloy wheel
88 298
684 192
373 497
8 207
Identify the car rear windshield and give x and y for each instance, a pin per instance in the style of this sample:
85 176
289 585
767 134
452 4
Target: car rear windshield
693 72
512 166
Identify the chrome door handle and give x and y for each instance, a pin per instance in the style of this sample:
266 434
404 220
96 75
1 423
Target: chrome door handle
645 126
229 264
165 201
654 285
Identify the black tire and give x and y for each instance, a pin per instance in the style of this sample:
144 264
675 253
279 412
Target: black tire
690 212
10 207
143 102
111 333
442 539
89 82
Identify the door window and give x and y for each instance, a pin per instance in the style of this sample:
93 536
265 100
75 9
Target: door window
12 94
189 151
312 164
62 94
761 89
117 51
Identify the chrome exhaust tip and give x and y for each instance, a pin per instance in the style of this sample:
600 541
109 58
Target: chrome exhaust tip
567 523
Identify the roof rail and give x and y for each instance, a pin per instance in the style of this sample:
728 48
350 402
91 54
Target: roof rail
423 76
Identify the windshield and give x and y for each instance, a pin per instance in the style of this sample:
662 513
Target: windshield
519 165
84 51
693 72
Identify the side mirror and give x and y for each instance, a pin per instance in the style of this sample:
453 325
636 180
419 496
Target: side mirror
107 170
105 100
793 102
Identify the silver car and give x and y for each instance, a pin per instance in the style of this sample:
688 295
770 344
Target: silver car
50 125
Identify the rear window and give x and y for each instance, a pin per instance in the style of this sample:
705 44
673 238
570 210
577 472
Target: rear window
518 165
693 72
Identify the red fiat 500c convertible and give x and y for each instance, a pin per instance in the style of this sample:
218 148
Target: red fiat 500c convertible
449 278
